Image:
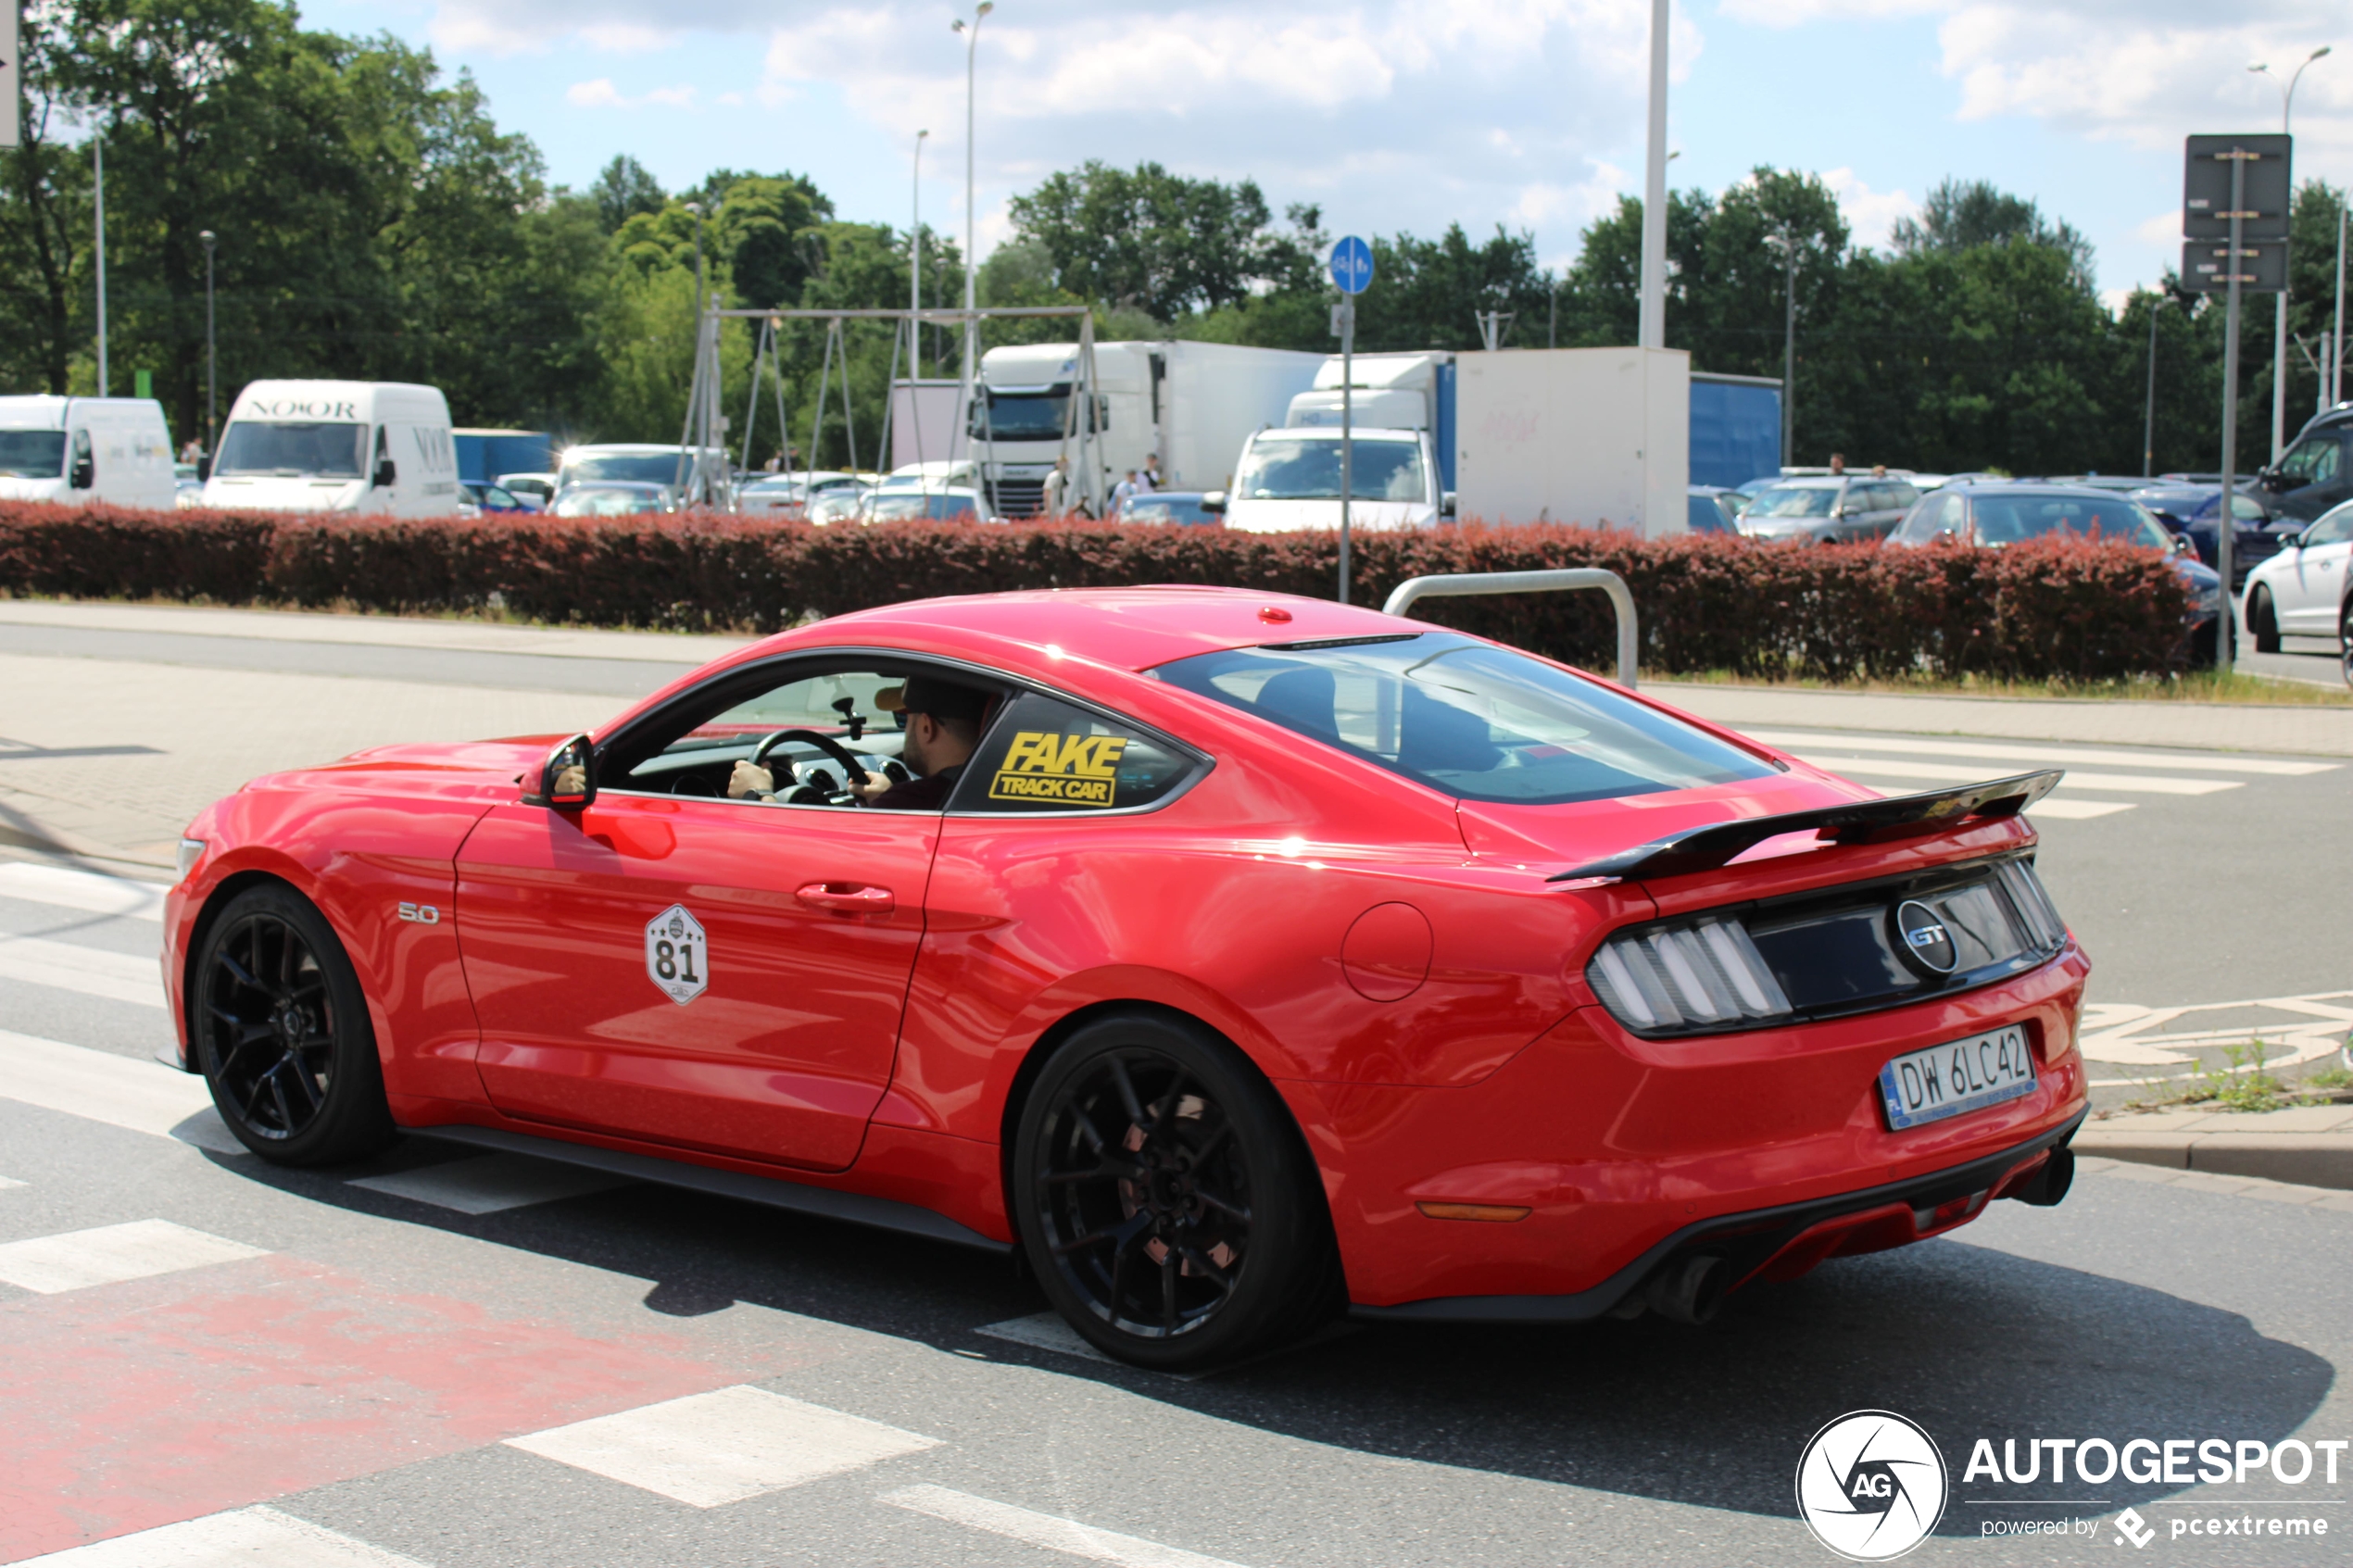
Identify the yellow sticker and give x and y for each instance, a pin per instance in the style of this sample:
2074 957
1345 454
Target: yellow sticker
1044 765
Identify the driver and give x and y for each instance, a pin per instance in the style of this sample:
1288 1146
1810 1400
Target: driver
942 721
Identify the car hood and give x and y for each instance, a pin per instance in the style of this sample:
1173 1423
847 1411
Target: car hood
14 489
486 768
274 494
1286 517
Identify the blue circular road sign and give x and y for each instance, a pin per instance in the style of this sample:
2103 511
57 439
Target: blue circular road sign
1352 265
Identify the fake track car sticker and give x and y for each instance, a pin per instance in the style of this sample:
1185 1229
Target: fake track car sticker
1042 765
678 955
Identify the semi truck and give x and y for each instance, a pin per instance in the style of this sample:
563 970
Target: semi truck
1191 404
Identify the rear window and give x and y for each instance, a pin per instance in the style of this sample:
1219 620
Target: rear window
1474 721
2007 520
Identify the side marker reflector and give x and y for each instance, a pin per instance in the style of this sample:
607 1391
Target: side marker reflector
1493 1213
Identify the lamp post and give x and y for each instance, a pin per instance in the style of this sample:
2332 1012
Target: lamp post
1651 321
2279 312
972 324
2148 423
98 177
1785 240
211 360
916 265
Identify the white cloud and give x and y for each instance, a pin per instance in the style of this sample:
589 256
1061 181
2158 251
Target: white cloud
1870 214
601 94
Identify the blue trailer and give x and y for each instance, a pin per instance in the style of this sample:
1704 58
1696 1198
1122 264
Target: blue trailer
1736 428
484 455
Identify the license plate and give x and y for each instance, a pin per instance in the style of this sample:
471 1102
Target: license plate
1960 1075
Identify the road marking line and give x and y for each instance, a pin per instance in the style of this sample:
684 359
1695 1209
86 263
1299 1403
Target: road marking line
117 976
492 1182
2127 1033
7 1182
122 1091
1045 1331
2130 784
1047 1530
2075 810
1789 740
246 1537
723 1447
110 1254
69 889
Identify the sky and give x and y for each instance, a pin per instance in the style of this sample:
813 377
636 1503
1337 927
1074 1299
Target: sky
1407 117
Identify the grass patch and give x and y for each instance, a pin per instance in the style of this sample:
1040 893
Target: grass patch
2244 1082
2199 686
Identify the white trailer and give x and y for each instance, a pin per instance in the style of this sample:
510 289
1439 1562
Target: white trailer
75 450
1597 436
1392 392
1192 404
336 446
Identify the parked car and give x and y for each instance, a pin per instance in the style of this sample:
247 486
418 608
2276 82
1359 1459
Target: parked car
2302 591
1828 510
886 505
2190 510
1264 958
1167 506
2008 511
1713 508
839 505
2316 473
612 498
187 481
539 487
493 497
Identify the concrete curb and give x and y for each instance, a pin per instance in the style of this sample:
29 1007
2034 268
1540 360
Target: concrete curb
2311 1146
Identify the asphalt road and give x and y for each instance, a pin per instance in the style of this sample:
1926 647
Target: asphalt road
395 1364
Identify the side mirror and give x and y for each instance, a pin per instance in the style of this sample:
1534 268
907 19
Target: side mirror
567 779
385 474
1213 502
2182 545
85 472
1446 504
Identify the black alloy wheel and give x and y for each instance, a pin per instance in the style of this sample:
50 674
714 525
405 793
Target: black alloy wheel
281 1034
2263 620
1166 1200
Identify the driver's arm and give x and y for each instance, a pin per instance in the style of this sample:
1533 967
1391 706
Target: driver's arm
747 782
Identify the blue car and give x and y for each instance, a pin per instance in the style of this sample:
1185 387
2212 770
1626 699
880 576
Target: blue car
2005 512
2189 507
1712 509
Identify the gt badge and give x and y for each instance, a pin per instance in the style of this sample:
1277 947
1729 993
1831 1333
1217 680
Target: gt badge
1927 941
677 958
1065 770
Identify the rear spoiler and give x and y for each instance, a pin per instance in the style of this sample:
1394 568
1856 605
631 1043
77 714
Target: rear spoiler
1706 849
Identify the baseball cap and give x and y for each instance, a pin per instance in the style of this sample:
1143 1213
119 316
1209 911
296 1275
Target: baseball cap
940 698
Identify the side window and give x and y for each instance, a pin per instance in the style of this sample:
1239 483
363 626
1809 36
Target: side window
1046 755
2334 528
2312 462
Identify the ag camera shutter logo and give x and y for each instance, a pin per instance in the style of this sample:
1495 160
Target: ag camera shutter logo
1872 1486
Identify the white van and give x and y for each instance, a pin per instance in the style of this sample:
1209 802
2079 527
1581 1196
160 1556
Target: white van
1289 478
336 446
74 449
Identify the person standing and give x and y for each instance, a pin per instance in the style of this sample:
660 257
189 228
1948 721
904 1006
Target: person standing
1148 477
1052 502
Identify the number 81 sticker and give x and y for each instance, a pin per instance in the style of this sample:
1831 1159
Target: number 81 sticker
678 955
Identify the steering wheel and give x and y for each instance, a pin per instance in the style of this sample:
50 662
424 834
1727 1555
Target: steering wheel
826 744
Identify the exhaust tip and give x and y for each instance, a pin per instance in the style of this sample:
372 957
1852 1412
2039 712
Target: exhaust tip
1690 1290
2048 1186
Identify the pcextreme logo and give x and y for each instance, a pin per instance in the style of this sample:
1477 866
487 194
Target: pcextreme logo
1872 1486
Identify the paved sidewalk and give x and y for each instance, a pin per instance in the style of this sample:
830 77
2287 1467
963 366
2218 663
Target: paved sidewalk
379 631
2311 1144
2257 1187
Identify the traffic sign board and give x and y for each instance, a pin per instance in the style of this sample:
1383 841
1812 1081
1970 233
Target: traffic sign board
1351 264
2264 196
2261 266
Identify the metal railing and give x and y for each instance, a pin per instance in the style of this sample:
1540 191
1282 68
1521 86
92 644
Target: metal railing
1454 584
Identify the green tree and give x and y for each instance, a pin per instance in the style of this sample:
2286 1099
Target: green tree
622 190
1154 241
1962 214
42 222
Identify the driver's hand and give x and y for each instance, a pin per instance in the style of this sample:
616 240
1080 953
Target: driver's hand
873 789
747 780
571 779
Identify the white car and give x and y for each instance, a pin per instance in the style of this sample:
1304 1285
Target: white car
1289 478
2301 592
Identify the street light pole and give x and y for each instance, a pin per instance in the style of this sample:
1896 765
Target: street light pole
1785 239
211 360
2149 428
971 375
2279 307
916 266
1651 325
98 167
2336 356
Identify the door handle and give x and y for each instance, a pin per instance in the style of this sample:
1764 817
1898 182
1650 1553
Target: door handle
847 898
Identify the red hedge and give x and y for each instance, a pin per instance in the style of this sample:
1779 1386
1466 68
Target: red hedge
2060 608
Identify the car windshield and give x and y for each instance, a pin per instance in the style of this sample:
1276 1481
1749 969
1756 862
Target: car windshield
32 454
1478 721
1163 509
602 501
311 450
901 506
1790 500
2005 520
1024 416
643 468
1295 469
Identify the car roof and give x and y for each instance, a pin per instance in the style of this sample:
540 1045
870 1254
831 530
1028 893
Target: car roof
1125 628
1814 480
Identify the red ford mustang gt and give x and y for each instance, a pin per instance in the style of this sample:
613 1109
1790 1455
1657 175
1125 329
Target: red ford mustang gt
1238 958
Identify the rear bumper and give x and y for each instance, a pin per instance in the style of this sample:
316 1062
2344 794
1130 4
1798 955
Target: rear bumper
1780 1242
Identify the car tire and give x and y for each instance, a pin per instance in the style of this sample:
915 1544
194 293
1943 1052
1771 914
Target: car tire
2263 620
2345 646
1165 1198
280 1029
